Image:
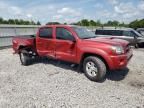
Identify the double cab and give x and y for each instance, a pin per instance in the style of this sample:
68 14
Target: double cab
75 44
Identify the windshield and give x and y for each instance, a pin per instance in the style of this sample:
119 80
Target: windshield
137 33
142 32
84 33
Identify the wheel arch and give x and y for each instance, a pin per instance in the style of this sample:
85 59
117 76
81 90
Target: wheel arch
96 55
27 48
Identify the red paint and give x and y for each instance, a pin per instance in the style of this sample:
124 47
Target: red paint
73 51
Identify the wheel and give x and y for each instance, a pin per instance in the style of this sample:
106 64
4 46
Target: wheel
136 45
140 45
25 58
94 68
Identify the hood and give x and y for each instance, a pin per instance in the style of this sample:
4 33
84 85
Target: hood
110 41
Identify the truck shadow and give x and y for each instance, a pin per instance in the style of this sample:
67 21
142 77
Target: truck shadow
57 63
116 75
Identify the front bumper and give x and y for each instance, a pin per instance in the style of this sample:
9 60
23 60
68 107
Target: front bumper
121 61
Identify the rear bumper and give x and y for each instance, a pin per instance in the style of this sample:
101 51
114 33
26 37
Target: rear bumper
120 61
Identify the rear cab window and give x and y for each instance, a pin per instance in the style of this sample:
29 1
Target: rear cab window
46 32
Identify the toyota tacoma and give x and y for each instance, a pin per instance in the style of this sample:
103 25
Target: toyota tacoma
75 44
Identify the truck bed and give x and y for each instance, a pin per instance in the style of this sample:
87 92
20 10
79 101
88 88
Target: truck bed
22 41
25 36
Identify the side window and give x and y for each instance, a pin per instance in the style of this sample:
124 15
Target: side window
128 33
99 32
63 34
45 32
108 32
116 32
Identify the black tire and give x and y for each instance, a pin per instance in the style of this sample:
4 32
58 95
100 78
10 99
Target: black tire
137 45
141 45
99 64
25 58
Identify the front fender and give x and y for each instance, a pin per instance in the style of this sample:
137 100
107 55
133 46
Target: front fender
99 52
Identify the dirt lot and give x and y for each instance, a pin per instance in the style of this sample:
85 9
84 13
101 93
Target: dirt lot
52 84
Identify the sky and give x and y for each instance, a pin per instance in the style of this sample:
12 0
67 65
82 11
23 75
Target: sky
72 10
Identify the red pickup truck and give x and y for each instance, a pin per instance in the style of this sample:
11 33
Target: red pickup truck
76 45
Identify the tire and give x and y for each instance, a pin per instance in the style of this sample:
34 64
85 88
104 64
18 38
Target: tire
25 58
97 70
137 45
141 45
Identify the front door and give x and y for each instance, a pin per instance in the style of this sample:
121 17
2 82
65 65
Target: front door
45 42
65 45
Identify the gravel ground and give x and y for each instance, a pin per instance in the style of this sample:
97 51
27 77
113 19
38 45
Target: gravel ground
52 84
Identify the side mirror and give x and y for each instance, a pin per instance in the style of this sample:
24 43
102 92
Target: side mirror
73 39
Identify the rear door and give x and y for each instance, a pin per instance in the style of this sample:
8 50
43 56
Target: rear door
65 45
45 42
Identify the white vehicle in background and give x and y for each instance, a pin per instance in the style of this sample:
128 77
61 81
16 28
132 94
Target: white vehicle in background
129 34
140 30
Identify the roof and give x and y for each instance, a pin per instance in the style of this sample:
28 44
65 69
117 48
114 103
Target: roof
60 25
114 28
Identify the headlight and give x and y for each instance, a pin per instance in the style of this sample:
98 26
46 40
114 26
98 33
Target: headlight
118 49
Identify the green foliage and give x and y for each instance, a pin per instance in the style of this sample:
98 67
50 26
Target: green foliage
112 23
1 20
65 23
92 23
84 22
18 22
137 24
52 23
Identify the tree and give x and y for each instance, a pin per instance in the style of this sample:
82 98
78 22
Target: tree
112 23
98 23
17 21
11 21
32 23
5 22
84 22
1 20
134 24
38 23
51 23
65 23
92 23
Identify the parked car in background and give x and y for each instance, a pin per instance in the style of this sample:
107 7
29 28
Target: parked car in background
76 45
140 30
129 34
